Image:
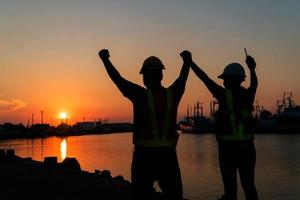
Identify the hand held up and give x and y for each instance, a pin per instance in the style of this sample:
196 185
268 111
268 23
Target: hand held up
250 62
104 54
186 56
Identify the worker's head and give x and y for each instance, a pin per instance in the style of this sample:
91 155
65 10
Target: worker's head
233 75
152 72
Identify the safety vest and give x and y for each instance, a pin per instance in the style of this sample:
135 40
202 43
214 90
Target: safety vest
159 137
239 132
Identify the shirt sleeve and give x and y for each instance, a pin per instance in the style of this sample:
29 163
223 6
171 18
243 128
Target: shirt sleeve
130 90
178 88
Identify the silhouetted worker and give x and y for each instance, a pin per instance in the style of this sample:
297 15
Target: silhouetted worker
233 126
154 136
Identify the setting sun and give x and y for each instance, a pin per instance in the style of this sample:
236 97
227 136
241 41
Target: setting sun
63 115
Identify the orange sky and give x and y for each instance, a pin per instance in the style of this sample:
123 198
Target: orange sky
49 62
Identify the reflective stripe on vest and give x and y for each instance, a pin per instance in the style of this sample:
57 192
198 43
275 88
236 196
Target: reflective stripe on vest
237 128
158 140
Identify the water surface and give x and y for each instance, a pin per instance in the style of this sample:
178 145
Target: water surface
277 169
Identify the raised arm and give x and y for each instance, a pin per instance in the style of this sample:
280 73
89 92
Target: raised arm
253 78
179 83
126 87
212 86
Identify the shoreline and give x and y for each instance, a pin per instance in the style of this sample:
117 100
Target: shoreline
3 138
18 131
60 136
29 179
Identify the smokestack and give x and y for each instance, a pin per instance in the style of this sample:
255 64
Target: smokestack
32 117
201 110
42 117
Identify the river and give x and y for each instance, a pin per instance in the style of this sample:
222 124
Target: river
277 168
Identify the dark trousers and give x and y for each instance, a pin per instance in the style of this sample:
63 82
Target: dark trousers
238 156
156 164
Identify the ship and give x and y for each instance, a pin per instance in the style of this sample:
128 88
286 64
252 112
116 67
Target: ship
195 121
286 119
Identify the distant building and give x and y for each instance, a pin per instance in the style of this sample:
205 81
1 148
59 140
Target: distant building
1 129
86 126
40 130
9 130
117 127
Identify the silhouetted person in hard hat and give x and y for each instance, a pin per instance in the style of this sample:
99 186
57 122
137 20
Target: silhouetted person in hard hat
154 136
233 126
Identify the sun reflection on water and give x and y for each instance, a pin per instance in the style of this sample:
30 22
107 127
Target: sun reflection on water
63 149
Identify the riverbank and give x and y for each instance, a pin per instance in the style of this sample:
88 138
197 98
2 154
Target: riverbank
19 131
24 178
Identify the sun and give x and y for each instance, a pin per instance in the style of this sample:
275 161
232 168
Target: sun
63 115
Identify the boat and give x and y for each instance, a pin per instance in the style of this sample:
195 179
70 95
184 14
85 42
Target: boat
285 120
196 122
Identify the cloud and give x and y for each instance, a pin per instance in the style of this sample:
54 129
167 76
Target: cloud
11 105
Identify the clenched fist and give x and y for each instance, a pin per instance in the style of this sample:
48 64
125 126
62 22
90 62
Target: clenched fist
250 62
186 56
104 54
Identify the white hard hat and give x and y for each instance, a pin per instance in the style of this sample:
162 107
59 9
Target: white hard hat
233 69
152 63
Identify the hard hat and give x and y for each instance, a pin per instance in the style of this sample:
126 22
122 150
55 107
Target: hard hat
151 63
233 69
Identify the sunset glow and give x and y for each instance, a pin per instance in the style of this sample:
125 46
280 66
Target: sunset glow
63 115
52 62
63 149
